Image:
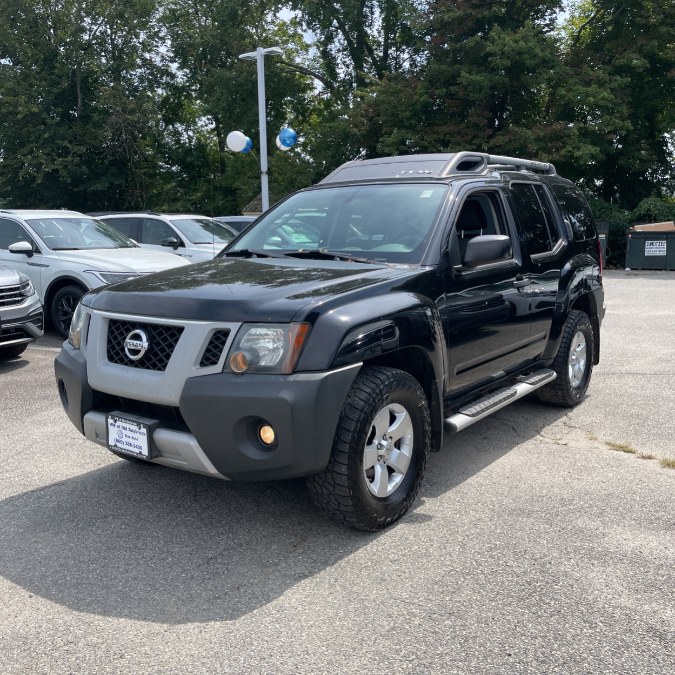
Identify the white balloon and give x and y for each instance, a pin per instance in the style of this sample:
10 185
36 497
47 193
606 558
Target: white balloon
281 146
236 141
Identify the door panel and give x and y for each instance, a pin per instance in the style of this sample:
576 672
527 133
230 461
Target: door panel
12 232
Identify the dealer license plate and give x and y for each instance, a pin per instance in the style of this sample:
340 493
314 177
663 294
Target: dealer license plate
129 436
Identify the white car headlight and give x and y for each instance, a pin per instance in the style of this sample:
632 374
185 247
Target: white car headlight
26 286
266 348
113 277
77 324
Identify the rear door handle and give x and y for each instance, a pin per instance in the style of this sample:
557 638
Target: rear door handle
520 281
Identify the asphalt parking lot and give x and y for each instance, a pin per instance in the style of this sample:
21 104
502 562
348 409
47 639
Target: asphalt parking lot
543 541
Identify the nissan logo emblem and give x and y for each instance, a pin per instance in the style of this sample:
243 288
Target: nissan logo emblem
136 344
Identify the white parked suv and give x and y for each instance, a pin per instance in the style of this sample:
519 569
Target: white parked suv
65 254
20 313
193 237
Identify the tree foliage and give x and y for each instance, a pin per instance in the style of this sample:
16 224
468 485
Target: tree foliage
109 105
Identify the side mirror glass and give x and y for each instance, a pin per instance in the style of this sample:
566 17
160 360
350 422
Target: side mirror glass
21 247
487 248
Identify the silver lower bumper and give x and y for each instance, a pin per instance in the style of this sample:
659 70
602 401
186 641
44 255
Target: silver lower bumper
178 450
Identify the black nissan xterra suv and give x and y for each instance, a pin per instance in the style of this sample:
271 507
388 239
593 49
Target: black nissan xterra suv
347 328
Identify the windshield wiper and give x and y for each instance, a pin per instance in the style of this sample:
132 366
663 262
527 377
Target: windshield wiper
324 254
252 253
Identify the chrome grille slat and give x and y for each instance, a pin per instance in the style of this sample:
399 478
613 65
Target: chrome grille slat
11 295
162 341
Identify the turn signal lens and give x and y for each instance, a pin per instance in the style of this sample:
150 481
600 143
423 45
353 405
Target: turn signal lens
267 435
239 362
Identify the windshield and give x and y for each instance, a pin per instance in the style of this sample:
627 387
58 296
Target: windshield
76 234
204 230
383 223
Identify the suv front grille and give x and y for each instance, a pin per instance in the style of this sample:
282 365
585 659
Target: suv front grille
214 349
161 339
11 295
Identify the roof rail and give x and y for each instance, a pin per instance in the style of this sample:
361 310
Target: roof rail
521 164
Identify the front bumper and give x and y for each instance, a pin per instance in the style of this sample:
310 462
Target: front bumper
214 428
22 323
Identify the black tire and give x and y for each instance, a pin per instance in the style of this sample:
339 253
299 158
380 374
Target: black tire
569 388
344 489
12 352
62 307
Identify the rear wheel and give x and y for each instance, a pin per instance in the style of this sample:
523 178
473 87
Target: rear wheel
379 451
12 352
62 307
573 363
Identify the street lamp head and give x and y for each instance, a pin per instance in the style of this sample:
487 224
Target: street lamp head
270 51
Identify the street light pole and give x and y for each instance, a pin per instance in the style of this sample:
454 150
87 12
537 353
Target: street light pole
259 56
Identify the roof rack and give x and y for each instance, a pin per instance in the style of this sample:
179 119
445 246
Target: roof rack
479 162
432 166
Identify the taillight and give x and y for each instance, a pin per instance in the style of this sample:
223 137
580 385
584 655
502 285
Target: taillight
600 254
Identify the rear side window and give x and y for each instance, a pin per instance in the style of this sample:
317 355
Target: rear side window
535 217
124 225
575 210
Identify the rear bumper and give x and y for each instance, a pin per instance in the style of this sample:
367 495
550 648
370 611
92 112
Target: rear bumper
214 430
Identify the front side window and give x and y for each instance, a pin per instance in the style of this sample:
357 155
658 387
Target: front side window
204 230
75 234
154 231
11 233
388 223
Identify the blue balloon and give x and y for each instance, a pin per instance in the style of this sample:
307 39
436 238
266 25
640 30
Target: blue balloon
287 137
249 145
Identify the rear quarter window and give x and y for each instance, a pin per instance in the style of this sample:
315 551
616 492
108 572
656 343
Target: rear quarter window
575 211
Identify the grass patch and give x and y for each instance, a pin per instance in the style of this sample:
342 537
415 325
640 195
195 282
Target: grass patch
622 447
668 463
646 455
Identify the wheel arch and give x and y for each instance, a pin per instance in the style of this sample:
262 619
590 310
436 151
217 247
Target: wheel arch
55 286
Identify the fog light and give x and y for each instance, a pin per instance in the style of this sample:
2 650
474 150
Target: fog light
239 362
267 435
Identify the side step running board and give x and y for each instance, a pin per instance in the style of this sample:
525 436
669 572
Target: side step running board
478 410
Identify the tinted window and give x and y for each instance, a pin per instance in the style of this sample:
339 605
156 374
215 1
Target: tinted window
575 211
481 213
533 223
11 232
204 230
126 226
154 231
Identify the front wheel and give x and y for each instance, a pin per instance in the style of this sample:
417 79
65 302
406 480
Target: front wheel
62 307
379 453
573 363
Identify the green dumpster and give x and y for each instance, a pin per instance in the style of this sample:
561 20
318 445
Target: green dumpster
651 247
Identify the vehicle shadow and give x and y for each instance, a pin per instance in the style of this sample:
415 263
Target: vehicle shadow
153 544
13 364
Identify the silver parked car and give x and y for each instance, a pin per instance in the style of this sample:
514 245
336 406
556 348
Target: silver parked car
65 254
193 237
21 317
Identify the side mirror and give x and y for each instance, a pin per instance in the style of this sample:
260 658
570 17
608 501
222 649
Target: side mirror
487 248
170 241
22 247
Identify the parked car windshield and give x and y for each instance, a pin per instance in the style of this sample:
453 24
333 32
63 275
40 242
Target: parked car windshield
75 234
385 222
204 230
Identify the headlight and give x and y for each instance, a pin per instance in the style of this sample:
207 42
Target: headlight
114 277
26 287
77 326
267 348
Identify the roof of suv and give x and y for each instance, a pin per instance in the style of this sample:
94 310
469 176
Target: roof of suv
432 166
41 213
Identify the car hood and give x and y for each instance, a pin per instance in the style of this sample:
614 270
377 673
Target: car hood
9 277
137 260
234 289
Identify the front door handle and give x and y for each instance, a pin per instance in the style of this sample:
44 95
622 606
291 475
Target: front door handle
520 281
